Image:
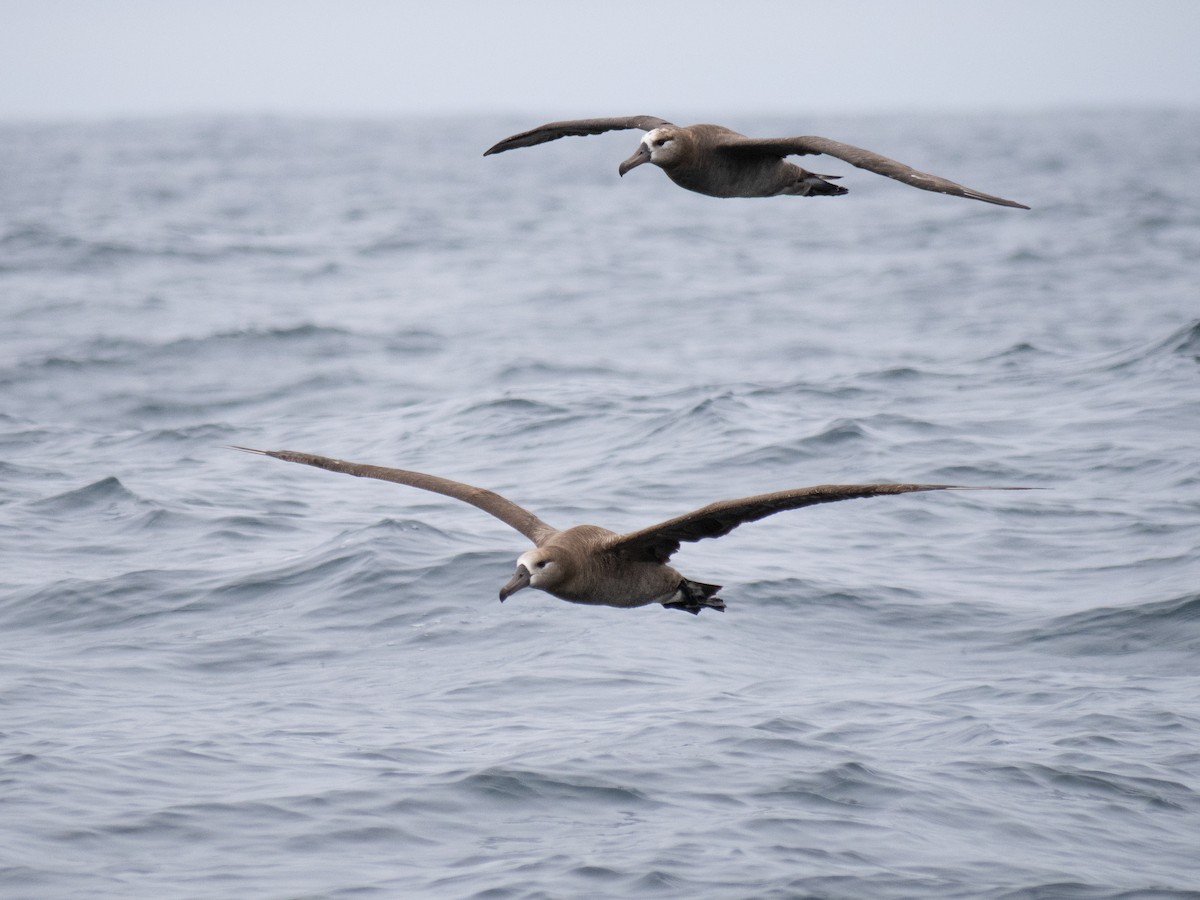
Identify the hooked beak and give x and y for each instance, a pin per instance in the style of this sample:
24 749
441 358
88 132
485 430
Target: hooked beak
641 156
518 581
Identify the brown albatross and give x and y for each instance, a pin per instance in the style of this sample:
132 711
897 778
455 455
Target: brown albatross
713 160
592 565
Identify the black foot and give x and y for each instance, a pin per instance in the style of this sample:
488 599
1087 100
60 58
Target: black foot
694 608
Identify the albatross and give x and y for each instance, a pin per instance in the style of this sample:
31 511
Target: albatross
592 565
713 160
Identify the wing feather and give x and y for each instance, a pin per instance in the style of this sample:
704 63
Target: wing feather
658 542
490 502
552 131
862 159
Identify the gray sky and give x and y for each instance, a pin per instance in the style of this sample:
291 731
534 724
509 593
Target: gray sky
573 58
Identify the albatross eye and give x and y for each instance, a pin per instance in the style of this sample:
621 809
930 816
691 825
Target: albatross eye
541 564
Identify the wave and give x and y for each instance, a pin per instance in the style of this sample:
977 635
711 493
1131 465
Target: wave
1184 342
106 604
112 351
43 247
503 784
1113 631
107 493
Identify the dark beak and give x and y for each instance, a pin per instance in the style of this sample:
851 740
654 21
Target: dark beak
518 581
642 156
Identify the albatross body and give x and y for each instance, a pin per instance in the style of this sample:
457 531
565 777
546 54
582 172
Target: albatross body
584 570
718 162
592 565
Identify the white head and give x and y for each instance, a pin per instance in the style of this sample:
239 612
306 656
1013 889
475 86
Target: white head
661 142
538 568
660 146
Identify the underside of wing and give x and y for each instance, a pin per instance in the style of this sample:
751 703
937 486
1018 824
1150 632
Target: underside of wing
863 159
574 127
490 502
658 542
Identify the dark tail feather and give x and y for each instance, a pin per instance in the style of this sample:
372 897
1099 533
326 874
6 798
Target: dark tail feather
814 185
695 596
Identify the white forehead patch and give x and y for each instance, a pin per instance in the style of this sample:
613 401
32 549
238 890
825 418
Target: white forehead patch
651 135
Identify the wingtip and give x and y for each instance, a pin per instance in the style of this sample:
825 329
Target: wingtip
991 487
999 201
248 450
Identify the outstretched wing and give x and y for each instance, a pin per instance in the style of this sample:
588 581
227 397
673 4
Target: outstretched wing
857 156
555 130
503 509
658 542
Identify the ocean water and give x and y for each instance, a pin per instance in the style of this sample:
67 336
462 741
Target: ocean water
226 676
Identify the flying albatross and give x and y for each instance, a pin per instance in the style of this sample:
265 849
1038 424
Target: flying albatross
713 160
592 565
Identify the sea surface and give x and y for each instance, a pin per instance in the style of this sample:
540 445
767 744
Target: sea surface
225 676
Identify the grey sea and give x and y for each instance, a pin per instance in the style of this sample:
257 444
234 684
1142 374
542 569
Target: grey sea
225 676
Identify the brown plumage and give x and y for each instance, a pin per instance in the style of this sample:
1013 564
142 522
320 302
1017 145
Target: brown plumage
590 564
712 160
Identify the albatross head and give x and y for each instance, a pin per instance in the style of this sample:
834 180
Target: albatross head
660 146
535 568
